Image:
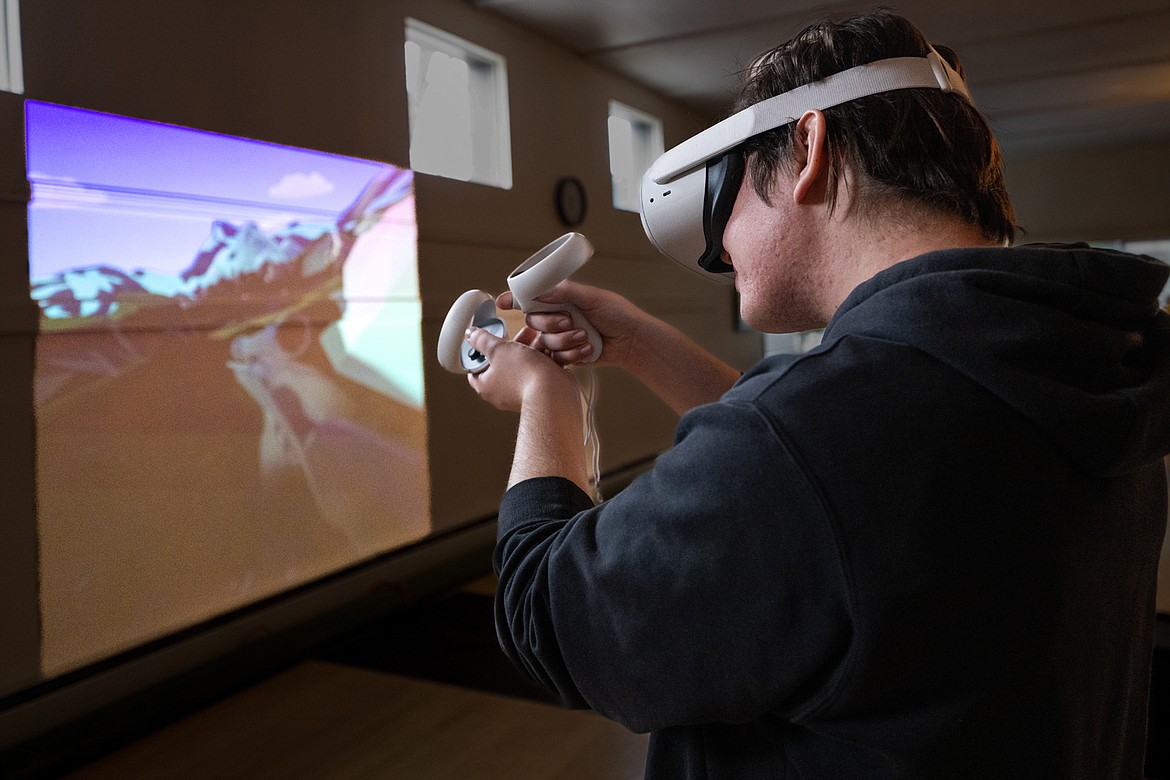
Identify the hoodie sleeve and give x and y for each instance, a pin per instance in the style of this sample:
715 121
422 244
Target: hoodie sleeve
708 590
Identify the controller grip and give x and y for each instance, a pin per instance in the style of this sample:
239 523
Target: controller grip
553 263
579 321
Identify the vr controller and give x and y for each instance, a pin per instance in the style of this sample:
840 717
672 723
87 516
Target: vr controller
555 262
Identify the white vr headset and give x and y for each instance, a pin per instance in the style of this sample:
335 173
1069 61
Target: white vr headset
688 193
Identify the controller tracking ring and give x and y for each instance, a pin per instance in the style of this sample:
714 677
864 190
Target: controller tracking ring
474 308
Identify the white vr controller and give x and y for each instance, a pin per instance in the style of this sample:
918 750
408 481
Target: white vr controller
533 278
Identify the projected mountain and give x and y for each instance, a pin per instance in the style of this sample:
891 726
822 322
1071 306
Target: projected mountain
266 272
87 292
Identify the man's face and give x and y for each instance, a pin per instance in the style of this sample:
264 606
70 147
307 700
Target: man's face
773 251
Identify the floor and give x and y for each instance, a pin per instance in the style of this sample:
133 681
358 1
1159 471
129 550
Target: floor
426 695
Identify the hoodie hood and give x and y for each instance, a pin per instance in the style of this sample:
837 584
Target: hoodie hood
1069 336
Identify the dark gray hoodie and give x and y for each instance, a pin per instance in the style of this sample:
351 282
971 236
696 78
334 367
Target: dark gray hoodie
928 548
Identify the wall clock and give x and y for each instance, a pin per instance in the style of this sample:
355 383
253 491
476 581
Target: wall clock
570 201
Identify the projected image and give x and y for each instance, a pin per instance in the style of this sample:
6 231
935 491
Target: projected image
228 374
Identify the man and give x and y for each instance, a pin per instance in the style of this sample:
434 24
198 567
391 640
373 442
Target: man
928 548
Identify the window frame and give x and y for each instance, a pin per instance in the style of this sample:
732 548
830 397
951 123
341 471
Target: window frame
490 126
11 58
646 145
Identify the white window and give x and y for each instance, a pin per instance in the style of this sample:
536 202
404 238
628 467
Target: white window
635 141
11 68
458 103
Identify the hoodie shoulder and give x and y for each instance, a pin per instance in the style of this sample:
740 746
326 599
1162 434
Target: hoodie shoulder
1069 336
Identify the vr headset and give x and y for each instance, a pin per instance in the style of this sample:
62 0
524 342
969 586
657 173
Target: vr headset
688 193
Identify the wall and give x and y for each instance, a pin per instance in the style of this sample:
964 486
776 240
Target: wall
19 613
1098 194
329 77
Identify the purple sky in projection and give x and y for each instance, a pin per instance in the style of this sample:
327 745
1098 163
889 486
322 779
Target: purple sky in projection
143 195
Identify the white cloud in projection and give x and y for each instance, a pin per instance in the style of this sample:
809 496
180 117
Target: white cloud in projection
300 186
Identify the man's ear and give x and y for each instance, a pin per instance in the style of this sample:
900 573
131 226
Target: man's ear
812 158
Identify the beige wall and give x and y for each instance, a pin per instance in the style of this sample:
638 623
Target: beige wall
1099 194
19 613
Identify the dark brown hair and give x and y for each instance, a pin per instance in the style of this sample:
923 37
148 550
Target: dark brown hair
921 147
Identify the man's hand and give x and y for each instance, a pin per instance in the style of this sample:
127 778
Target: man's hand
679 371
616 320
516 371
550 438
